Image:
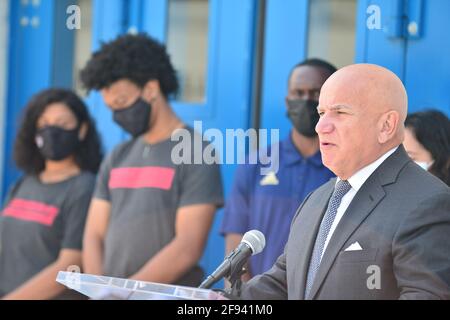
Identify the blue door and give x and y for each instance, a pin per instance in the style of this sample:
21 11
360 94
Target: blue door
284 45
296 30
427 62
414 42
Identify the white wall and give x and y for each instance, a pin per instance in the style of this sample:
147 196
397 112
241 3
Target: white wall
4 23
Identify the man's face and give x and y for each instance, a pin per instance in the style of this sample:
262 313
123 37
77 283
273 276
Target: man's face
121 94
305 83
303 95
347 130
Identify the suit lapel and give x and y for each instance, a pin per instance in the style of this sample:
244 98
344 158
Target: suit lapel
364 202
305 236
362 205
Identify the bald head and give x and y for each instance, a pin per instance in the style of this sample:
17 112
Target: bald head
370 87
363 108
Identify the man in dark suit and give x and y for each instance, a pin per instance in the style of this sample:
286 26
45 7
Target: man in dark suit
381 229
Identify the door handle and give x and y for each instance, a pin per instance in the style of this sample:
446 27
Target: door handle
414 16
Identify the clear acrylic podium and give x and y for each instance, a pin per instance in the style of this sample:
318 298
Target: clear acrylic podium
108 288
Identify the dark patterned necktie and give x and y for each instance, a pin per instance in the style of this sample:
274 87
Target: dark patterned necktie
341 188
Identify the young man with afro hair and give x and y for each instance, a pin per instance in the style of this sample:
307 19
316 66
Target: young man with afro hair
150 217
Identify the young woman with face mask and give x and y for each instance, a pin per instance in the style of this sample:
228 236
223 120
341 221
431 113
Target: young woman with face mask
43 217
427 141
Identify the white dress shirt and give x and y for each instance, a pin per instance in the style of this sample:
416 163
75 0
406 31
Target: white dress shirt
356 181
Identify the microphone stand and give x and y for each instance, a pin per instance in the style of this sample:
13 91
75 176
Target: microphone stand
234 292
235 279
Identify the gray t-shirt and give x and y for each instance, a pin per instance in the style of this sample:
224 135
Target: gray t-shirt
145 190
38 220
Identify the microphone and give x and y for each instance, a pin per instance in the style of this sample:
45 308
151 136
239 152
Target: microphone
253 242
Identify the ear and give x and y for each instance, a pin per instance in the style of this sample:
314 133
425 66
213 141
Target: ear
152 90
388 124
83 131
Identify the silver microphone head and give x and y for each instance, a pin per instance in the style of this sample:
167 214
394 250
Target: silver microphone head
255 240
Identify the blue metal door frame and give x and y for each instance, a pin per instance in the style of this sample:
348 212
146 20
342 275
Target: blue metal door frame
285 45
427 62
420 60
384 46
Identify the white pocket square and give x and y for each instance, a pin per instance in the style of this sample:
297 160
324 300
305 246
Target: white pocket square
354 247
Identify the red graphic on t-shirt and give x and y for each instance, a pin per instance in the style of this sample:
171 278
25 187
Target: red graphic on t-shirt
142 177
31 211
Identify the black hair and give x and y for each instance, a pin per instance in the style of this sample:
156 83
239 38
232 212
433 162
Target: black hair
314 62
27 157
432 130
138 58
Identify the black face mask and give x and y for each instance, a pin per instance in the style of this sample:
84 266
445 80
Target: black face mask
56 143
135 118
303 115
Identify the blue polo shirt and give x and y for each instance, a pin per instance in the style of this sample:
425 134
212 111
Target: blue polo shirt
268 202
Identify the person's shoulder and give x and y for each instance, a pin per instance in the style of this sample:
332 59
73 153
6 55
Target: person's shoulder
26 178
120 150
278 146
317 196
254 163
259 161
86 177
322 193
191 130
421 181
277 151
263 154
83 183
326 187
125 146
194 136
419 197
22 182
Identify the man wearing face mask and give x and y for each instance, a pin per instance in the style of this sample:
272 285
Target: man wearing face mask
268 202
150 217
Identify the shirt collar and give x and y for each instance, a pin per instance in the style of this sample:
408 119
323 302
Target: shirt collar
293 156
358 179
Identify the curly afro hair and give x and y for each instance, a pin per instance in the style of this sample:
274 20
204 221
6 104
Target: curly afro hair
88 155
138 58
